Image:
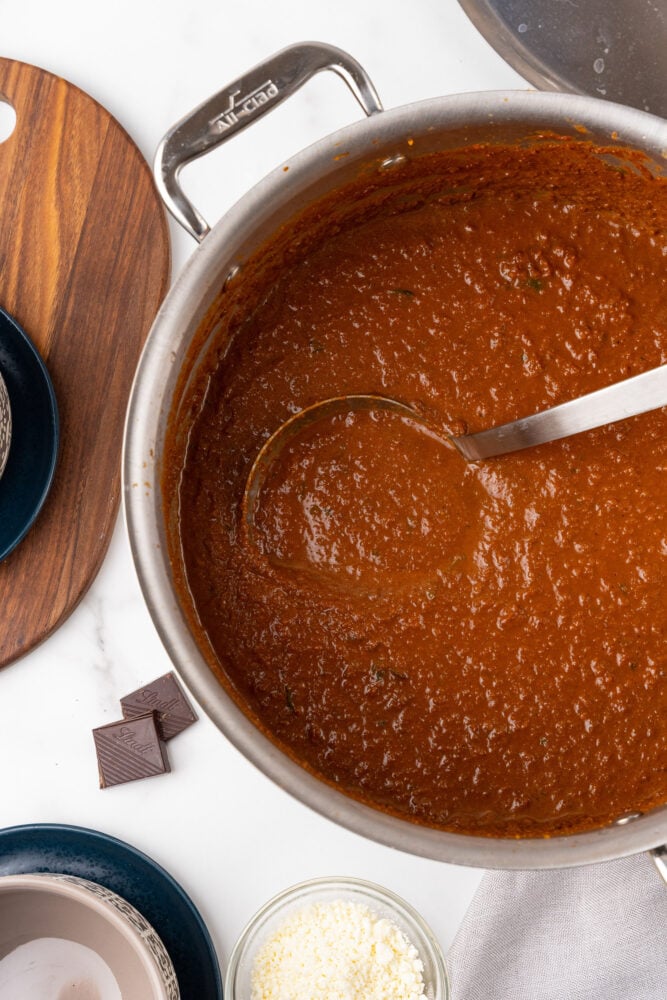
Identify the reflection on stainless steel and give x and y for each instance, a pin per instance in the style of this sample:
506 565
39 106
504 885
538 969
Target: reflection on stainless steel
628 818
612 49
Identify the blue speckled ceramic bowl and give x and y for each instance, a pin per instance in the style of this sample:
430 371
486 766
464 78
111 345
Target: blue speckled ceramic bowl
87 854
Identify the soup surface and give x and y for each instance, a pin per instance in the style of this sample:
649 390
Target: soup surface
476 647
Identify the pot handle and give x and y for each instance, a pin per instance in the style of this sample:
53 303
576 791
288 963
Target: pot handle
241 103
659 855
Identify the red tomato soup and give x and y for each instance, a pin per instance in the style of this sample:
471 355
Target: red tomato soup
475 647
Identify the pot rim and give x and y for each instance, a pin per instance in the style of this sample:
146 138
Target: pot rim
150 402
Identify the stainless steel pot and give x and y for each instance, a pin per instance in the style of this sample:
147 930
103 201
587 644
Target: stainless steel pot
374 144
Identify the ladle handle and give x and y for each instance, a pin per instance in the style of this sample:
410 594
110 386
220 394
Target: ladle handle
240 104
628 398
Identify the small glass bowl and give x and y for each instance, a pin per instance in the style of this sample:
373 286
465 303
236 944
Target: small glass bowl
327 890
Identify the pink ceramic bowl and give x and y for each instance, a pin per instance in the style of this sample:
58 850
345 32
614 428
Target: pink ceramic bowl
75 938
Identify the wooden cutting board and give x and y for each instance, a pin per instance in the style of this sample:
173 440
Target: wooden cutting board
84 265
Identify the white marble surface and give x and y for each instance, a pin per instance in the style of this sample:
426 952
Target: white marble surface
225 832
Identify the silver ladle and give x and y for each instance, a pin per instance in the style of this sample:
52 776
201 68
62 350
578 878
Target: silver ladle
628 398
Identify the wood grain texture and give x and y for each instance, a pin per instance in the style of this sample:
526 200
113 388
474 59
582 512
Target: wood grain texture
84 265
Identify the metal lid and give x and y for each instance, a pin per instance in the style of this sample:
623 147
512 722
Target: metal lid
611 50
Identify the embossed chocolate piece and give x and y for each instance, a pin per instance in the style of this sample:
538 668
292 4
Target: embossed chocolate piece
130 749
167 699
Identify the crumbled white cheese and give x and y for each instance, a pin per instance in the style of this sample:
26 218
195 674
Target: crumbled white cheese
337 951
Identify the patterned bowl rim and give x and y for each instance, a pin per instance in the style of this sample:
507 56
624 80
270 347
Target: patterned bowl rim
116 910
5 424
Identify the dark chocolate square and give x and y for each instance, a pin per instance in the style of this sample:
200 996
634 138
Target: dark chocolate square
130 749
166 697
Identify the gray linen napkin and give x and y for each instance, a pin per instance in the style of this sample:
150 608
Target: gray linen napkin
593 933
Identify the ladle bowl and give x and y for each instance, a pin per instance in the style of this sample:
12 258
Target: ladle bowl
627 398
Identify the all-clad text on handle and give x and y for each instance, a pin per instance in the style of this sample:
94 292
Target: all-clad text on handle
241 103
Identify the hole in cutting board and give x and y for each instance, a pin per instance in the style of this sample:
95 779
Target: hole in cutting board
7 119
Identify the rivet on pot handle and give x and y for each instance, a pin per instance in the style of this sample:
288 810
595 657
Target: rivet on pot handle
659 855
241 103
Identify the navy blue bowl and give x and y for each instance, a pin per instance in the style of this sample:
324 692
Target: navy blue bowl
73 850
31 464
